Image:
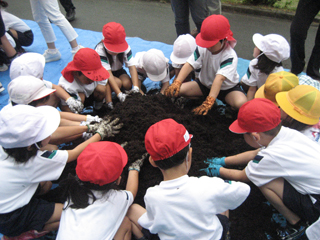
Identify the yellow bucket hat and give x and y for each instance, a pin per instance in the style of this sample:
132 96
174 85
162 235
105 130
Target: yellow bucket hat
301 103
275 83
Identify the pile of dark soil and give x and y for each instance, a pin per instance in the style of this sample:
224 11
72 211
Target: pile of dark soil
211 138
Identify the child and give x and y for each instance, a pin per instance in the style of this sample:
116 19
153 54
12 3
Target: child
154 65
183 207
28 90
82 77
277 82
300 110
95 208
269 52
218 62
45 10
286 169
183 48
26 171
114 51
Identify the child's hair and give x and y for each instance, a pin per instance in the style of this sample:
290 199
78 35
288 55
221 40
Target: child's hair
173 161
294 124
36 102
265 65
80 193
22 154
273 131
3 4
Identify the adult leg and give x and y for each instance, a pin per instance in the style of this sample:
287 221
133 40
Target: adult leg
305 13
69 8
180 9
198 9
213 7
314 61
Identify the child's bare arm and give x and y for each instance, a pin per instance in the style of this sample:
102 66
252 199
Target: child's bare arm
134 76
60 92
233 174
251 92
164 87
113 84
184 72
133 182
73 116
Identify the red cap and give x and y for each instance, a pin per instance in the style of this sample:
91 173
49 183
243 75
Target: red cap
256 115
166 138
88 62
101 163
213 29
114 37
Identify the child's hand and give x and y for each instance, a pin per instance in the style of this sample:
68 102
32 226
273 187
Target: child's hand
213 170
90 119
136 165
173 89
216 161
109 129
135 89
75 106
205 107
122 97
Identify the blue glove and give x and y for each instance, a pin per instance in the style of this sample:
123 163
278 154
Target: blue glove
213 170
214 161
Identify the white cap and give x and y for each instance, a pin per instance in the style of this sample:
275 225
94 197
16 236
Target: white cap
28 64
138 59
155 65
24 125
25 89
183 47
274 46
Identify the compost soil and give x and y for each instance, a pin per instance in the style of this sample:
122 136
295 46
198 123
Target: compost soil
211 138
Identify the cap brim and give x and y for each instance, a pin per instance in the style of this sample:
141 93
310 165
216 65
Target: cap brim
97 75
116 48
177 60
159 77
257 40
44 93
204 43
52 116
235 128
288 108
260 94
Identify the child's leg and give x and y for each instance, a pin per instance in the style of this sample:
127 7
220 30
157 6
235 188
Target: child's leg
273 191
134 213
53 223
190 90
124 232
235 99
100 93
126 81
45 187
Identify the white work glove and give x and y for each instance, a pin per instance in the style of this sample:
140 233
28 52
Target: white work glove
92 128
136 165
110 105
135 89
109 129
75 106
90 118
122 96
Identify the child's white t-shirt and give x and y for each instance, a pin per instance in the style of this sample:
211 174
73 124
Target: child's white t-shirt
100 220
76 87
224 63
142 75
313 132
128 59
255 78
19 182
292 156
185 208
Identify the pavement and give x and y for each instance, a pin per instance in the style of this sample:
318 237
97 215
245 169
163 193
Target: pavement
154 21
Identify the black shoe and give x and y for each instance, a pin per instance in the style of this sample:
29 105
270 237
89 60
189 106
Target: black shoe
292 233
71 14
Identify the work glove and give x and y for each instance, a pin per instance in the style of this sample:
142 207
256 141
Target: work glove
90 119
110 105
124 144
92 128
122 96
213 170
135 89
205 107
109 128
136 165
173 89
75 106
214 161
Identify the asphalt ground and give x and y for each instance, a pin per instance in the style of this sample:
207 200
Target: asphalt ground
154 21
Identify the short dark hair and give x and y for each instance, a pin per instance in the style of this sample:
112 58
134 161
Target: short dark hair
173 161
22 154
294 124
273 131
265 65
41 100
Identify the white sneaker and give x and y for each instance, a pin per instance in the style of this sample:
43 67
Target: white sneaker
4 67
73 52
1 87
51 57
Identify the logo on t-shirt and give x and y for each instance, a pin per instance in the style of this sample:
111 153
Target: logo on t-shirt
48 154
257 158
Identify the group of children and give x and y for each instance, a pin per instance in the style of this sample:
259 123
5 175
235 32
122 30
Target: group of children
284 165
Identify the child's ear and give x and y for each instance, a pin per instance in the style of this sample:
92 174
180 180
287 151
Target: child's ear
152 162
256 136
